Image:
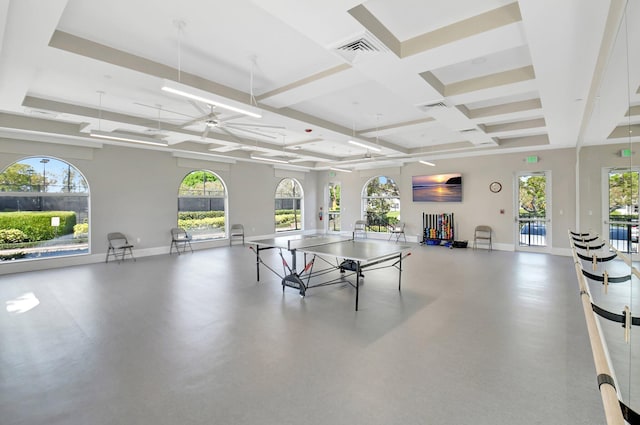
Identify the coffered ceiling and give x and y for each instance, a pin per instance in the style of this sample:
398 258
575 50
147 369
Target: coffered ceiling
409 79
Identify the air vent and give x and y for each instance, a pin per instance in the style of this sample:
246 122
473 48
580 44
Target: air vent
363 45
468 130
434 105
360 45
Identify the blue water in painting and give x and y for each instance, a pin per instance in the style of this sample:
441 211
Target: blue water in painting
437 192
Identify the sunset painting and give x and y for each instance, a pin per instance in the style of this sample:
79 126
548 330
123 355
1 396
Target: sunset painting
437 188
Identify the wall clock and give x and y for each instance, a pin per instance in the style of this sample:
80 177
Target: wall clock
495 187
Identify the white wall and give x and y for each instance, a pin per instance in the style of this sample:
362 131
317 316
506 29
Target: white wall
135 191
479 205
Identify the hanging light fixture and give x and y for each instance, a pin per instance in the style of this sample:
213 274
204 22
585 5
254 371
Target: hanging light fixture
269 159
209 98
189 92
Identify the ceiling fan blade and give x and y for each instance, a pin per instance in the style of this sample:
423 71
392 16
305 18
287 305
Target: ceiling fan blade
233 117
195 121
206 131
239 140
198 107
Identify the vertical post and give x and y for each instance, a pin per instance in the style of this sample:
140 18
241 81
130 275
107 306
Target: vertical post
400 271
357 283
258 262
44 161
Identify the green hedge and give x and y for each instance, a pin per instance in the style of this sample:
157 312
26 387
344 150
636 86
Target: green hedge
284 212
204 223
37 225
282 219
198 215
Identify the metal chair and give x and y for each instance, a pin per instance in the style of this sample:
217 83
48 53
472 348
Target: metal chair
398 231
119 247
360 228
482 234
180 238
236 231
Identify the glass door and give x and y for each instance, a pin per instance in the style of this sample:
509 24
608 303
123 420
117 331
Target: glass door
333 209
621 222
533 225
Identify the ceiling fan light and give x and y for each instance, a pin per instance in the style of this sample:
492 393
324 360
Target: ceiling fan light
362 145
121 137
428 163
208 98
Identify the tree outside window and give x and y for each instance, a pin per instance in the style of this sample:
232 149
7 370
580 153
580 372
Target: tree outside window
202 200
288 205
381 204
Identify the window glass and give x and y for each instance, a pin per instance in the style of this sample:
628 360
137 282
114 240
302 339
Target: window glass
202 200
381 204
44 210
288 205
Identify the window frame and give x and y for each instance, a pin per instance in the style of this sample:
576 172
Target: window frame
299 226
202 235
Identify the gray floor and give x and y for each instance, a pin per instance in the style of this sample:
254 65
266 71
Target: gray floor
473 338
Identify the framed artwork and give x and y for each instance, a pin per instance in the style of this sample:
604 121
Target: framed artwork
437 188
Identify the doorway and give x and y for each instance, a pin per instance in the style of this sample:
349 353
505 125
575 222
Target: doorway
334 221
620 225
533 224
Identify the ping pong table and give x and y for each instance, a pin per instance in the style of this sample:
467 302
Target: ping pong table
350 258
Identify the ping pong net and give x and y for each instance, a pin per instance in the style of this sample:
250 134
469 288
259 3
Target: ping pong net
308 241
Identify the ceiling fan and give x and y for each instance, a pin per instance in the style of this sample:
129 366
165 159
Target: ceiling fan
214 120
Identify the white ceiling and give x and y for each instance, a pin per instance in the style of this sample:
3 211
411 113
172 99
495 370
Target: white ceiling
509 76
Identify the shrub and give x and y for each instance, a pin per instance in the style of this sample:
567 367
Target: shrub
198 215
204 223
284 219
80 229
12 236
37 224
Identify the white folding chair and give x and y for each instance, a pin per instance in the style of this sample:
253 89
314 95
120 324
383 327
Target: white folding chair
180 238
236 231
360 229
398 231
119 247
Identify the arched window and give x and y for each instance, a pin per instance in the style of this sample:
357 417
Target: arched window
44 210
202 205
288 205
381 203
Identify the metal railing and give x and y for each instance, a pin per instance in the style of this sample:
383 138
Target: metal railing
532 231
623 234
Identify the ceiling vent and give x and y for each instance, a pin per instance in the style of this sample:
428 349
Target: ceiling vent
433 105
361 46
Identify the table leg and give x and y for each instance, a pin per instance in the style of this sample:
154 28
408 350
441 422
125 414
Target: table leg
357 283
258 263
400 271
